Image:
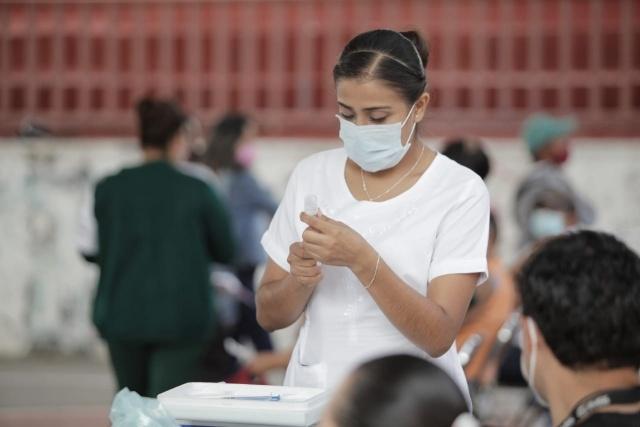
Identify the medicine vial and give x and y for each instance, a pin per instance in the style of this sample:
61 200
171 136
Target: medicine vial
311 205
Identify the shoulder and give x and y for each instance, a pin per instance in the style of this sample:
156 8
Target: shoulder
197 170
189 184
113 180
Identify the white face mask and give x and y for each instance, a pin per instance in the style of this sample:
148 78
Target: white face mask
375 147
546 223
530 374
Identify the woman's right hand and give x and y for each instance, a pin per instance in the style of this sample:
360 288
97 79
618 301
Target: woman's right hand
305 270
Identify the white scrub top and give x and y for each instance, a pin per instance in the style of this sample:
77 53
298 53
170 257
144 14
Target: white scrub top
439 226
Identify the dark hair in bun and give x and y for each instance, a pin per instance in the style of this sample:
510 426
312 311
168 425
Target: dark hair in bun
397 58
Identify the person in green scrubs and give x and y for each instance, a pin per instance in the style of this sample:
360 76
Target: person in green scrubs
157 231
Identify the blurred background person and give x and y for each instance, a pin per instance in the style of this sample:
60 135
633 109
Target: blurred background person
158 231
231 153
400 391
554 213
581 316
548 141
469 152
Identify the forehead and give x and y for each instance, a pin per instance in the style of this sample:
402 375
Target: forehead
363 93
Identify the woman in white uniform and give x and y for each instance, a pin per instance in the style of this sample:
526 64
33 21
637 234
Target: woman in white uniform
391 261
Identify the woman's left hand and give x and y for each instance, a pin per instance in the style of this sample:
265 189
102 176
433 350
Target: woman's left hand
333 242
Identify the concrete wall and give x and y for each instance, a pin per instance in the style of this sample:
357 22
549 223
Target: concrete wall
46 288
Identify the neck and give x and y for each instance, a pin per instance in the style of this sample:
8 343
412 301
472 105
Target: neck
154 154
567 388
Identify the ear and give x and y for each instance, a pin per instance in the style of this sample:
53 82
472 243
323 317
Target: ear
421 106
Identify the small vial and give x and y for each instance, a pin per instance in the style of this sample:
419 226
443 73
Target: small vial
311 205
311 208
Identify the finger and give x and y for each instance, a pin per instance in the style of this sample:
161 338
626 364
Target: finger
301 271
314 251
326 218
310 281
315 222
311 235
298 252
305 262
296 248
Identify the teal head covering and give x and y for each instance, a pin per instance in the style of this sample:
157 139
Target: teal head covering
541 129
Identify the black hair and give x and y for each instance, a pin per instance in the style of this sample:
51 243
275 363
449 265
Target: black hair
494 230
398 59
159 121
400 391
468 153
583 291
224 138
556 200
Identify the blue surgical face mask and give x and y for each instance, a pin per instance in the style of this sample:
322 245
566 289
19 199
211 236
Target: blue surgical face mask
546 223
375 147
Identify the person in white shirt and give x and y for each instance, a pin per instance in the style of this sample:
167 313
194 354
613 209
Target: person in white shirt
391 260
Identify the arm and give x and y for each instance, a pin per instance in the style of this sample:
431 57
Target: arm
283 296
458 263
431 322
265 361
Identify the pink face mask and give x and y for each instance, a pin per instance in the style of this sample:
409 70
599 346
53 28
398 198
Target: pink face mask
245 155
560 155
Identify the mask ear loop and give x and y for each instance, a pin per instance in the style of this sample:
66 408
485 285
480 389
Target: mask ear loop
532 363
404 122
533 336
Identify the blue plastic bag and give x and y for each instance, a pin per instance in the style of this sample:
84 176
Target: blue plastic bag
129 409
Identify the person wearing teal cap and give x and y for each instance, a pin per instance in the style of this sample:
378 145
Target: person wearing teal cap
548 142
547 137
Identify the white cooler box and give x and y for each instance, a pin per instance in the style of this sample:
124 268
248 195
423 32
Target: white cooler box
244 405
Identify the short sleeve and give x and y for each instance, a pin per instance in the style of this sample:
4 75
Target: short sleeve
282 232
463 236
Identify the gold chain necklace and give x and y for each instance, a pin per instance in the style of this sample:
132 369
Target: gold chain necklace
402 178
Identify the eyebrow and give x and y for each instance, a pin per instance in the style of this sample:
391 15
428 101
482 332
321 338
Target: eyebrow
383 107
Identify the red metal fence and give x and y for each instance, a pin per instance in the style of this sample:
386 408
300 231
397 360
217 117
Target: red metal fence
78 66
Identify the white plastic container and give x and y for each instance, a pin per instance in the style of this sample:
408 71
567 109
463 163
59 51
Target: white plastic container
224 405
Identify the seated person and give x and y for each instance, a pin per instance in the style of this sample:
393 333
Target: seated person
469 152
399 391
548 141
581 316
553 214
